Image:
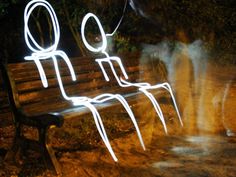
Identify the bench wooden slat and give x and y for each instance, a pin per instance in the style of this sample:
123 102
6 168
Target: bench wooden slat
90 80
30 89
23 74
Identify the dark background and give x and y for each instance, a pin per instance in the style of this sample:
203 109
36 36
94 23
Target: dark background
146 21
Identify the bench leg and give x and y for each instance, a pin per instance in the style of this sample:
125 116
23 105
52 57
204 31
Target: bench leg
47 152
16 149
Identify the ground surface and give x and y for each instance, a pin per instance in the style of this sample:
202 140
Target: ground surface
165 156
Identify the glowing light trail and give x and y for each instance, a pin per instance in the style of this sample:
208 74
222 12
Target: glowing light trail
40 53
143 87
117 26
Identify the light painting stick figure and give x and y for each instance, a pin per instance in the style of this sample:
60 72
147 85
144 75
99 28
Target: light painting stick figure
144 87
40 53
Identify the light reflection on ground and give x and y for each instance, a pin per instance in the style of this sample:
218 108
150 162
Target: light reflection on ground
165 156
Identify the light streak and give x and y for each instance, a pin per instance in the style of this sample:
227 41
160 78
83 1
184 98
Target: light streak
39 53
143 87
117 26
226 93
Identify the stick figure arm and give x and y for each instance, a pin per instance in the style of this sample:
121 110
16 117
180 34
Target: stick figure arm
99 61
63 55
40 69
118 60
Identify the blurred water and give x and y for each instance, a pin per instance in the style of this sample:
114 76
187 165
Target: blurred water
205 90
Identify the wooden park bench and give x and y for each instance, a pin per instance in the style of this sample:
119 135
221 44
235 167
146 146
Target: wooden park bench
35 106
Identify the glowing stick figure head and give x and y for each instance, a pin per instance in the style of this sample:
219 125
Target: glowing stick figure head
103 47
30 41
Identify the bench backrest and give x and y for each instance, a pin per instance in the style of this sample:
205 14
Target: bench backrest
30 95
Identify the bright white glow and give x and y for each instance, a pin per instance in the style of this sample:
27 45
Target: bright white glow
143 87
40 53
91 48
106 97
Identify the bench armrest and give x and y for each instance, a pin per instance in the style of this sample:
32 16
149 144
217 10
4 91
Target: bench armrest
41 120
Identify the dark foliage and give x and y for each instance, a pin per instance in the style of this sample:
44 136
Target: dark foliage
150 21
